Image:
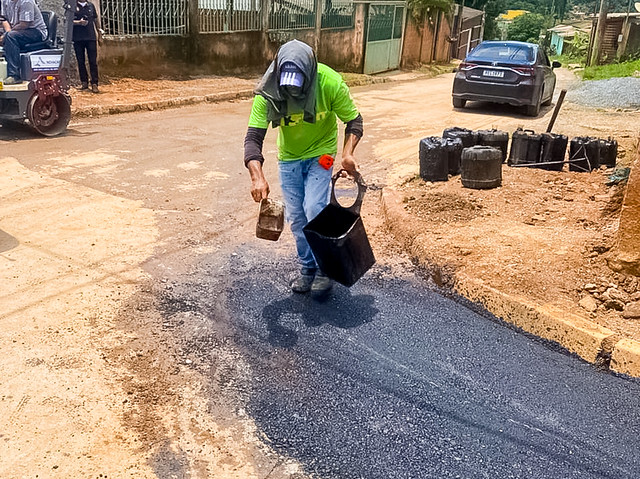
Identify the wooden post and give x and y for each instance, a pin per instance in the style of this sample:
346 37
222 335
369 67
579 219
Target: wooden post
318 6
622 47
600 29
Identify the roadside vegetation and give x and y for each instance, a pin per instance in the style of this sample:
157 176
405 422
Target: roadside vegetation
531 27
613 70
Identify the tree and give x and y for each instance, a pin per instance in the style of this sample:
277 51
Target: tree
420 8
492 9
527 27
592 6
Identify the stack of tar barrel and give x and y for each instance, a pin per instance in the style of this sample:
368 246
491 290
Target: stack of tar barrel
478 155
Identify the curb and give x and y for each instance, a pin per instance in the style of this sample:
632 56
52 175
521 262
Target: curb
114 109
92 111
587 339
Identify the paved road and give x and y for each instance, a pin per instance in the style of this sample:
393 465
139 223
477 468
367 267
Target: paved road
386 380
392 380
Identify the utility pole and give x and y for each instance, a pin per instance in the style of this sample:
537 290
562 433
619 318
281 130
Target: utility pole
599 36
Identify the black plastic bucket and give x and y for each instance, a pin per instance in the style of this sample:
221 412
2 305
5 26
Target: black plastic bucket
495 138
609 153
453 147
584 154
434 161
469 138
526 147
481 167
554 149
338 239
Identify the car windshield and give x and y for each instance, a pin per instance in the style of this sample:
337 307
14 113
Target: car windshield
503 52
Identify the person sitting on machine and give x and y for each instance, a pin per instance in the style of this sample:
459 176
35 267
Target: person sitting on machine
26 26
4 27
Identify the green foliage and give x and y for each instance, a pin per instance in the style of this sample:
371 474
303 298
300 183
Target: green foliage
591 6
601 72
492 8
556 8
579 45
421 8
527 27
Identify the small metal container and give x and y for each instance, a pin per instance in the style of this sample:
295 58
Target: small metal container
270 219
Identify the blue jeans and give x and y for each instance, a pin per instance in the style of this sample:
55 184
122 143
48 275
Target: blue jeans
14 42
306 187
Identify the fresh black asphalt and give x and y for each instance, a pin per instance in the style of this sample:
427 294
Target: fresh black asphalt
390 379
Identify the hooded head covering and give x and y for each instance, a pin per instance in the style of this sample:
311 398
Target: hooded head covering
301 65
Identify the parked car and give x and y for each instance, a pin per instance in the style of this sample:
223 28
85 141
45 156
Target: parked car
516 73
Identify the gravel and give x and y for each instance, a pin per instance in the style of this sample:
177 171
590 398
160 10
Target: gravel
619 93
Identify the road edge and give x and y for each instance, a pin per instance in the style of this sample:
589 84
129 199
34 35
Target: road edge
583 337
114 109
102 110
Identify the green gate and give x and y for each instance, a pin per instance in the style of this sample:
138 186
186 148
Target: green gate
385 24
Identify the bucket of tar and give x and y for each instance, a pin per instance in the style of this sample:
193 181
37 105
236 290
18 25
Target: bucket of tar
338 239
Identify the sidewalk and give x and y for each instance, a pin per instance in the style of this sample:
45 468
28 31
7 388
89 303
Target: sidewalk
458 266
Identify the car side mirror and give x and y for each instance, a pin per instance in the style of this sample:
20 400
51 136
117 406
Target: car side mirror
556 64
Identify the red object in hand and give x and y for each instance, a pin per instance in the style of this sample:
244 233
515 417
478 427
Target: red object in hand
326 161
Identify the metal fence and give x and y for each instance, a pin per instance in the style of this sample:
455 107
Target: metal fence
292 14
338 14
170 17
144 17
229 15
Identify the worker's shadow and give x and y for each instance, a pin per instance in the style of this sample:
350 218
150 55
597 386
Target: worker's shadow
339 309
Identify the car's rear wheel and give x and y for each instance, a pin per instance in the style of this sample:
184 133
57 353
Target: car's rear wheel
548 102
459 103
534 110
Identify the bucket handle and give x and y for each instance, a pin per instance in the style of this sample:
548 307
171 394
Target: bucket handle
362 189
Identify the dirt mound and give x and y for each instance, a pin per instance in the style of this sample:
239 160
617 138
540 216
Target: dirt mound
543 235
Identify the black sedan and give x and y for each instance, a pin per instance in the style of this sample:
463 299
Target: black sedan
516 73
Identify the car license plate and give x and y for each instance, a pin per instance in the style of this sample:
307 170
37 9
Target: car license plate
493 73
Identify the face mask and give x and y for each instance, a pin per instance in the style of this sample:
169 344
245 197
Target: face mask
293 91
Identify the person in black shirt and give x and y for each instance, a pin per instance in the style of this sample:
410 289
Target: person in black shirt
86 34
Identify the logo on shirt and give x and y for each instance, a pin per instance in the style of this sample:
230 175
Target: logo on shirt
298 118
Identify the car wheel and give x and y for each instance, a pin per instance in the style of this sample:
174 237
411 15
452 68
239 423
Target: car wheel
548 102
459 103
534 110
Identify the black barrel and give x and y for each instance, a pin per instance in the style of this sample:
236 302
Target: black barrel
453 147
554 149
468 137
434 161
609 153
526 147
495 138
338 239
481 167
584 154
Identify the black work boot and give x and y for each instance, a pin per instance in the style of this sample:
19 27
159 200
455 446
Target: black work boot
302 282
321 285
